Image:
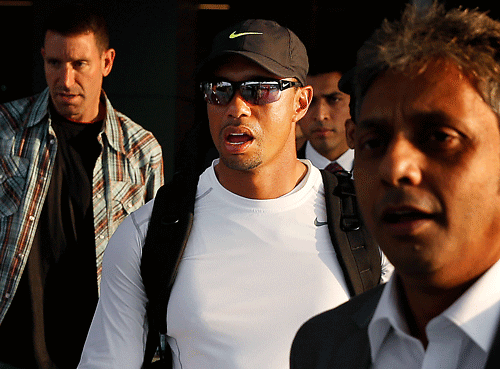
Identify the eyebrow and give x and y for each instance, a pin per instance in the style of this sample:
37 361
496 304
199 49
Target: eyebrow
437 117
372 123
332 94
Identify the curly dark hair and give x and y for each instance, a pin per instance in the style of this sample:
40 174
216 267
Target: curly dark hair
468 38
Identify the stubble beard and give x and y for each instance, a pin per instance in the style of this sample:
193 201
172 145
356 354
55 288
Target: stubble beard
236 163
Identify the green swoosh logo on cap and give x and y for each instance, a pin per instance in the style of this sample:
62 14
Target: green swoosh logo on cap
235 35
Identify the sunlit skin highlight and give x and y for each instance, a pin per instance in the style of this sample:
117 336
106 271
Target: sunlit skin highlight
264 164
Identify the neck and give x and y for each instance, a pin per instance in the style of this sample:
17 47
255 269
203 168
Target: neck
335 153
101 113
97 115
261 183
421 302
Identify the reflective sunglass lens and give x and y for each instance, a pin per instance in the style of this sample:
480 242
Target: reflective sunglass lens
260 93
254 92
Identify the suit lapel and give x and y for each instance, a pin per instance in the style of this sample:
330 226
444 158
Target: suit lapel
494 355
359 355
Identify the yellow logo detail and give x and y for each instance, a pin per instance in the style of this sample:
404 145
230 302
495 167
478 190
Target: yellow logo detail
235 35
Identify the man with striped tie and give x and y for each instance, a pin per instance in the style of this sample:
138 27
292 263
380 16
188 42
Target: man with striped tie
324 124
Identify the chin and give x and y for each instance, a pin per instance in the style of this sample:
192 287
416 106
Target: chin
237 163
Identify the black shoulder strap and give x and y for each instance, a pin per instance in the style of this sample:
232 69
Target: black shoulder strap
168 231
357 252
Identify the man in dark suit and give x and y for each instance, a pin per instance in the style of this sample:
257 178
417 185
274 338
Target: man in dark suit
427 164
323 126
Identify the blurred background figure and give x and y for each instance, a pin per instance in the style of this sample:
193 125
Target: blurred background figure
324 124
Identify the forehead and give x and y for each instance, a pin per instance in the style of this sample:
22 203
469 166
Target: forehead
70 45
324 83
238 68
440 89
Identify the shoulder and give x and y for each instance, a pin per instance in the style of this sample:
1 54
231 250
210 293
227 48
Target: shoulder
335 332
134 134
355 310
128 239
129 137
15 114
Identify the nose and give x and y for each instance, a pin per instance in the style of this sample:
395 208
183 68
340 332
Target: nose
68 75
238 107
402 163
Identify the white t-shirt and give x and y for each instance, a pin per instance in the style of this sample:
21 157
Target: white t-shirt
252 273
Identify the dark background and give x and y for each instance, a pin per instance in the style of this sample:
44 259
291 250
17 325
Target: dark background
159 43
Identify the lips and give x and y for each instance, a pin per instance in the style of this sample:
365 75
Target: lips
237 139
67 97
404 214
406 220
321 132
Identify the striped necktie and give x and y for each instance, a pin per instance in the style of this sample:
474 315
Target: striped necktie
334 167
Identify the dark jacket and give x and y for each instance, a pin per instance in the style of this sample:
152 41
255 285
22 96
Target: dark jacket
338 338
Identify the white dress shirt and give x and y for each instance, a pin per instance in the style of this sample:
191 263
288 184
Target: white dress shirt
319 161
460 337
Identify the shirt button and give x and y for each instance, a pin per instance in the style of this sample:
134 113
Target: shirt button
101 237
98 196
31 218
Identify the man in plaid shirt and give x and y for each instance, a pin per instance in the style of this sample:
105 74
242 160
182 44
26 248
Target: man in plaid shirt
71 169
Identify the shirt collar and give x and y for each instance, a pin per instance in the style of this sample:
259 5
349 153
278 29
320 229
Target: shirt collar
111 126
319 161
40 108
476 312
387 315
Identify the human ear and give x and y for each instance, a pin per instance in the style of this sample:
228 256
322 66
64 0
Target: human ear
302 102
350 130
108 59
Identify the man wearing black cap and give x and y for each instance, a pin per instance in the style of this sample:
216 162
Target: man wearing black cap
259 259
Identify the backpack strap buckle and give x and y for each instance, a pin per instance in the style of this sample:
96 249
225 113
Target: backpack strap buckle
349 218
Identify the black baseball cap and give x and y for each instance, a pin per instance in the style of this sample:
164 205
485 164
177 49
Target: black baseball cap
275 48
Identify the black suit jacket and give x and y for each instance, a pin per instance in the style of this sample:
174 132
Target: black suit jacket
338 338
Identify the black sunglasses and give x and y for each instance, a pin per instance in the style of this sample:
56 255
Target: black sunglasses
254 92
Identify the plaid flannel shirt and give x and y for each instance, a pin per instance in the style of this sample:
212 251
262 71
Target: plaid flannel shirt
127 174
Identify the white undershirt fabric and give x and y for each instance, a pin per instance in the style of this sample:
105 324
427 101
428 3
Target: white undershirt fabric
252 273
460 337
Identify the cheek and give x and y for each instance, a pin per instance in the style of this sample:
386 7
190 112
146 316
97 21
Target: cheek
50 76
366 192
341 115
214 119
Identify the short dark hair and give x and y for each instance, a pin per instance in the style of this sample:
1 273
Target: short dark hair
76 19
468 38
